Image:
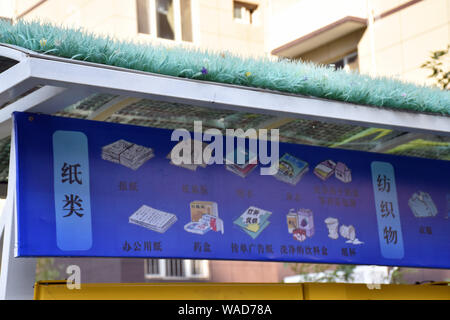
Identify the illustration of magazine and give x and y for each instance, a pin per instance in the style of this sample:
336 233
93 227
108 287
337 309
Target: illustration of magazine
253 221
153 219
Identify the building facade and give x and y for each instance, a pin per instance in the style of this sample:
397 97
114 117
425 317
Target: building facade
378 37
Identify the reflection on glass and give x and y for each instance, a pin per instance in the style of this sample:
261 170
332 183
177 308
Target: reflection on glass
165 19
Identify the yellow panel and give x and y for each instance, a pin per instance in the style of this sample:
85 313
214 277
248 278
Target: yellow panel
55 290
342 291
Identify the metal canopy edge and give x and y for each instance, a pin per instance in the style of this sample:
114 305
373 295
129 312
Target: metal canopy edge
66 73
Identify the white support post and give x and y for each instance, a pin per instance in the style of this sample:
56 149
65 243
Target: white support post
17 275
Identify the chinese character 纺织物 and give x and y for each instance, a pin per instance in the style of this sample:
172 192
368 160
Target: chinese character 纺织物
387 209
390 235
70 173
73 205
383 183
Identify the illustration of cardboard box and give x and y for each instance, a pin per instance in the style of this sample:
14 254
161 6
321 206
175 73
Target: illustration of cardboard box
200 208
343 173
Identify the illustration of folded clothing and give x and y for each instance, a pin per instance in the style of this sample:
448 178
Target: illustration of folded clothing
325 169
422 205
126 153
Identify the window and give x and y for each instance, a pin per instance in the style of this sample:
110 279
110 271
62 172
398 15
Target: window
349 62
244 12
175 269
166 19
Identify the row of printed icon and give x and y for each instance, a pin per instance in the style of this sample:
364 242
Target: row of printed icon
300 222
205 218
290 168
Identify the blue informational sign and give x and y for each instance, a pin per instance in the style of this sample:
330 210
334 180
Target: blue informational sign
88 188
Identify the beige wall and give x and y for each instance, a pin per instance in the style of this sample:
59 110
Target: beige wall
404 40
218 29
213 23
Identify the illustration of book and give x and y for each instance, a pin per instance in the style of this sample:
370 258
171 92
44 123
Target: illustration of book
325 169
153 219
126 153
204 217
253 221
194 160
422 205
241 161
291 169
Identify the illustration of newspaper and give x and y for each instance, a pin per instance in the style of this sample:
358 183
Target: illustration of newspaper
291 169
422 205
194 160
253 221
241 161
153 219
126 153
204 218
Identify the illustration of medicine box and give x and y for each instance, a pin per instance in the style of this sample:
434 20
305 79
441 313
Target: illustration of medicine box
200 208
343 173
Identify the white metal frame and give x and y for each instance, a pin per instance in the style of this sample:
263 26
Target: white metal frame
64 81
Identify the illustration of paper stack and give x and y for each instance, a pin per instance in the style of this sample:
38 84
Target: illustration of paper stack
291 169
253 221
325 169
422 205
192 159
300 223
204 218
126 153
153 219
241 161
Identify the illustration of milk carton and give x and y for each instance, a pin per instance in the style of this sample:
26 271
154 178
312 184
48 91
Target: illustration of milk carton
306 221
343 173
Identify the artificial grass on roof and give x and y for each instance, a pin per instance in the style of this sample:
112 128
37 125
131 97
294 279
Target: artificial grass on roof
287 76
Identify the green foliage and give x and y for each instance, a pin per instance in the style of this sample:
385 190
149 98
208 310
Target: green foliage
439 64
294 77
46 269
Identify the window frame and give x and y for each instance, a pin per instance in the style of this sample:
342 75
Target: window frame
177 15
187 268
245 7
